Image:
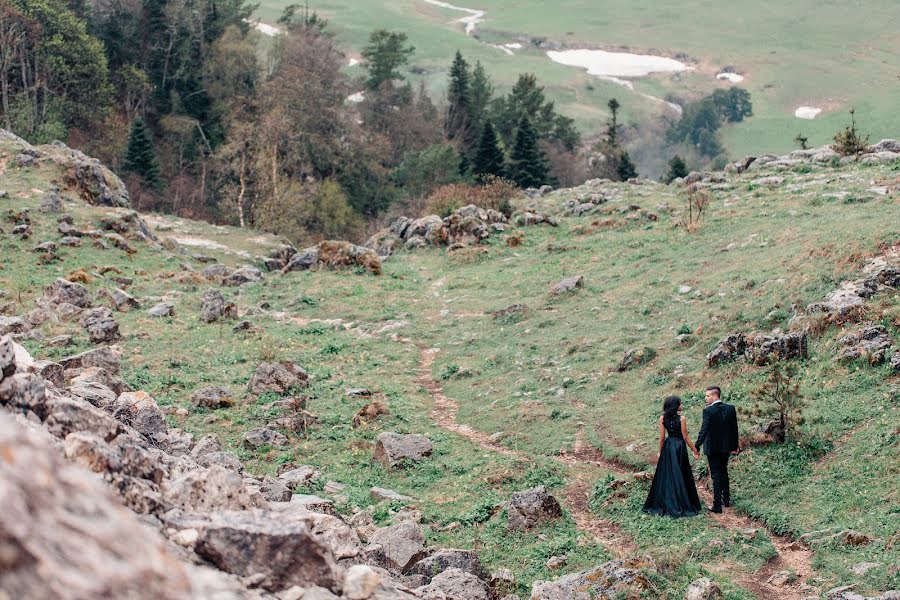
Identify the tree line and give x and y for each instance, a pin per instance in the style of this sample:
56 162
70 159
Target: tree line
178 97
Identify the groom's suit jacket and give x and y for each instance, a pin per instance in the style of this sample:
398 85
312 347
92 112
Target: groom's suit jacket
719 432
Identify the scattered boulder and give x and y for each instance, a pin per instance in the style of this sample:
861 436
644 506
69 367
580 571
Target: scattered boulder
332 254
383 494
532 507
242 276
763 349
299 477
703 589
103 358
391 449
123 301
274 490
214 307
212 397
285 553
635 357
207 490
140 411
610 580
569 284
403 544
454 584
262 436
526 219
63 291
440 561
278 377
872 342
727 350
100 325
51 202
161 310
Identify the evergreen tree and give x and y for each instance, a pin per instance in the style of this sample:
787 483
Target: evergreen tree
140 157
626 169
386 53
677 168
529 164
526 99
480 94
489 159
458 101
612 128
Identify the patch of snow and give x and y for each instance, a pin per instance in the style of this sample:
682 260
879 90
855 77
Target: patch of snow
265 28
357 97
807 112
513 46
199 243
616 64
503 49
474 17
732 77
353 62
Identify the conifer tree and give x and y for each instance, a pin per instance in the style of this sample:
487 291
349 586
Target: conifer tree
480 94
677 168
489 160
458 100
529 164
625 170
140 157
385 55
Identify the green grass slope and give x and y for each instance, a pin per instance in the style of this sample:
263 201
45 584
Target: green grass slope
831 55
547 378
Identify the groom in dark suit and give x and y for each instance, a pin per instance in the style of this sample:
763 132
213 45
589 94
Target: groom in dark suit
719 438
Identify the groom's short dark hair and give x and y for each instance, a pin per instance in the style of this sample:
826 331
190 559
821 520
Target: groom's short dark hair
716 389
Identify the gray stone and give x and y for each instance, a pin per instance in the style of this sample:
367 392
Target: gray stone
214 307
403 544
614 579
62 291
300 477
65 416
378 494
455 584
391 449
7 358
10 325
139 410
123 301
278 378
569 284
212 397
242 276
274 490
103 358
210 489
728 349
100 325
163 309
703 589
286 553
464 560
303 260
262 436
532 507
94 392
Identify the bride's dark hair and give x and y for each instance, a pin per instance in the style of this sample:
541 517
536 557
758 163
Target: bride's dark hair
670 408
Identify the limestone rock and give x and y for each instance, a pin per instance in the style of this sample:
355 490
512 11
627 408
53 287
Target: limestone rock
242 276
729 348
214 307
62 291
391 449
299 477
101 326
531 507
139 410
66 539
123 301
610 580
163 309
464 560
212 397
263 436
403 544
278 377
703 589
211 489
569 284
103 358
286 553
455 584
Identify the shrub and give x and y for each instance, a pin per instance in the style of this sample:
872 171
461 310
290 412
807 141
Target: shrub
849 141
779 402
495 194
697 201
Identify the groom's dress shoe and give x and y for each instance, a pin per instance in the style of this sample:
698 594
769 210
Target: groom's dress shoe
726 504
714 509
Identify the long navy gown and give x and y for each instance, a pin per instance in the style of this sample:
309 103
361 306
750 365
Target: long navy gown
673 492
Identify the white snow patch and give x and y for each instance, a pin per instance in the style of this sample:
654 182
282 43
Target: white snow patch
617 64
513 46
503 49
266 29
353 62
199 243
807 112
357 97
474 17
732 77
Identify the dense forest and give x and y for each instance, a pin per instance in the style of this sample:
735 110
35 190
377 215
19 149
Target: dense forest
181 98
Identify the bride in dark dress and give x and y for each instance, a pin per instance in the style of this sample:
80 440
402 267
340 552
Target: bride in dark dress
673 492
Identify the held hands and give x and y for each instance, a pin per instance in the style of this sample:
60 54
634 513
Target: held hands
696 455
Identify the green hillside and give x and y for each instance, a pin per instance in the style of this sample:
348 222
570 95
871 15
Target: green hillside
807 53
539 394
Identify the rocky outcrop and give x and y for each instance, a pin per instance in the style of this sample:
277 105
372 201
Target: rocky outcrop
610 580
703 588
463 227
278 378
532 507
872 343
759 348
454 584
392 449
334 255
402 545
842 303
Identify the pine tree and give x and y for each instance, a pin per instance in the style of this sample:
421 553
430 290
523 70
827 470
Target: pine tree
489 159
626 169
140 157
779 402
480 94
386 53
529 164
459 101
612 128
677 168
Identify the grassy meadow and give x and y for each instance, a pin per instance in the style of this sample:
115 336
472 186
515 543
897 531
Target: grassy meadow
832 55
545 376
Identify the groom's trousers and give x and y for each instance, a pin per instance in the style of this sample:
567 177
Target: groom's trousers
718 470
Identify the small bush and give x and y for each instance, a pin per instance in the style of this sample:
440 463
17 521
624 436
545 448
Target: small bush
496 194
849 141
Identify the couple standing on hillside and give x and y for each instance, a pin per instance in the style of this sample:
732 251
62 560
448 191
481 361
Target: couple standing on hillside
673 492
